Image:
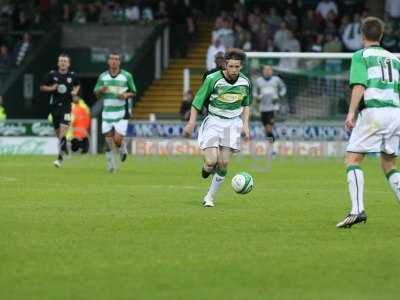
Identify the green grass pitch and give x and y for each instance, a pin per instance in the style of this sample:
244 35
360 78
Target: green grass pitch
81 233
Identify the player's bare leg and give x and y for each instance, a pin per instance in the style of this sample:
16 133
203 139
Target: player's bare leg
210 161
388 164
119 141
224 155
355 180
62 144
111 164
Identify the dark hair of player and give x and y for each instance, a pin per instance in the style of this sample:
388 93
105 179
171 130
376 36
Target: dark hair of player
114 54
63 54
236 54
372 28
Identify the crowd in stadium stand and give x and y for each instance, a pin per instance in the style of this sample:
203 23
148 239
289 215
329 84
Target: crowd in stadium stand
13 49
33 15
289 26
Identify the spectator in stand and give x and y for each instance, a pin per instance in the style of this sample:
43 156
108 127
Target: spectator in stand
93 13
343 24
318 44
290 45
107 14
330 27
80 14
66 13
332 44
5 58
220 19
225 34
281 36
20 17
263 39
255 20
22 48
392 9
324 7
389 41
352 6
273 20
186 105
352 34
162 12
147 14
118 12
239 13
293 5
256 24
242 37
213 49
309 28
290 19
132 12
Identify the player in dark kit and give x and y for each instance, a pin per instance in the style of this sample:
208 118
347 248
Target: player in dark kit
63 85
219 60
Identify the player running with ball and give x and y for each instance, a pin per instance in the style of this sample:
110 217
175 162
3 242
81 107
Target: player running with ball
228 93
374 76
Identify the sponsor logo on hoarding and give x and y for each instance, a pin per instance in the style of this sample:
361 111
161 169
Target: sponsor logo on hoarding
42 129
282 131
12 129
28 145
27 128
166 147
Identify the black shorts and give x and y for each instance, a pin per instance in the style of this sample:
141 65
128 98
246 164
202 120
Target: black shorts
61 115
268 117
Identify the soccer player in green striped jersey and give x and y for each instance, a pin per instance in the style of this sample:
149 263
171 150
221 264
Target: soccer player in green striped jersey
228 96
374 78
116 88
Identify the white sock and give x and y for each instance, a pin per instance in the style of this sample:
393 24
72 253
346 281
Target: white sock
394 180
355 180
111 160
122 148
216 182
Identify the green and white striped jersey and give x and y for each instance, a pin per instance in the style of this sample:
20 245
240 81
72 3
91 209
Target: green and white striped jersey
114 109
378 71
225 99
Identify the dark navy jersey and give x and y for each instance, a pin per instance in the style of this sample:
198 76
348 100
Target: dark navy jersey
65 83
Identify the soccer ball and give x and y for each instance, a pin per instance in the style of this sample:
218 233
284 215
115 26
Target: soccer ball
242 183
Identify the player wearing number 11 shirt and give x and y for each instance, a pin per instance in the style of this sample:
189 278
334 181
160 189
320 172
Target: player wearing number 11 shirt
374 78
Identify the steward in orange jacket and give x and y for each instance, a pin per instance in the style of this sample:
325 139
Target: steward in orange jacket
80 125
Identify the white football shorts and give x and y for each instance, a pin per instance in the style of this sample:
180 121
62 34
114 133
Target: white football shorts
217 132
376 130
